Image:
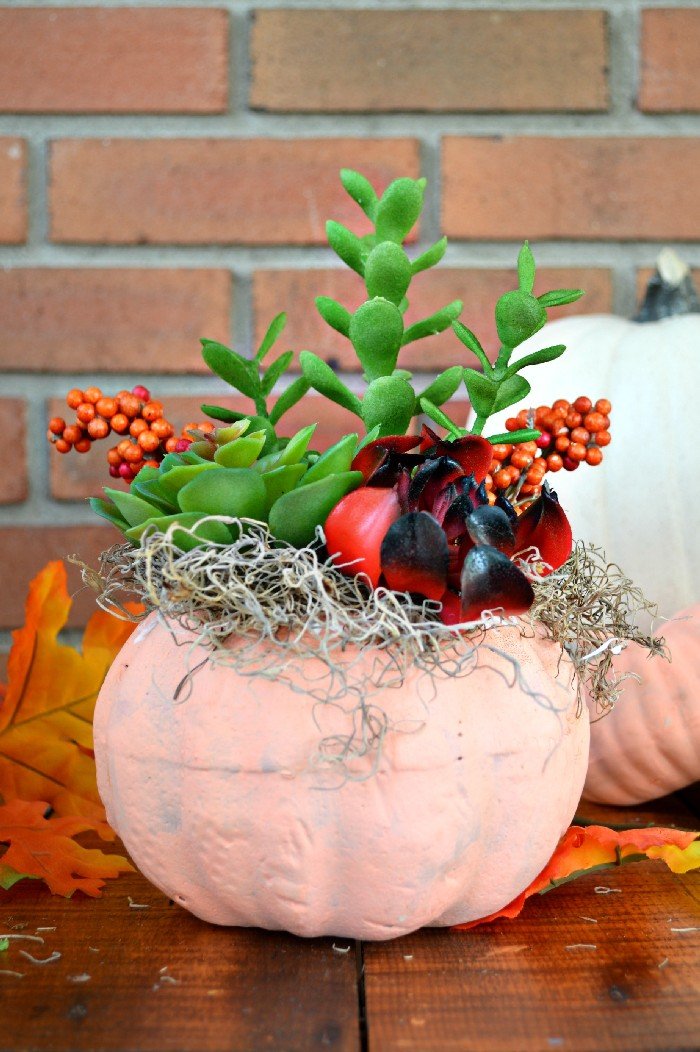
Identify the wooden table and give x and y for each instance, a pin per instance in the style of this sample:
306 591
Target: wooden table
580 969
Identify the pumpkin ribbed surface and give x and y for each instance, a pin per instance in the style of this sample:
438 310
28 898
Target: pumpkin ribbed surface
217 804
649 745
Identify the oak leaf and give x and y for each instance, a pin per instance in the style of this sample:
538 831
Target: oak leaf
46 708
587 849
43 848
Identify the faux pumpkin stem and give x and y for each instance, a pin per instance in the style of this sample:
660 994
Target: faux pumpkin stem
670 290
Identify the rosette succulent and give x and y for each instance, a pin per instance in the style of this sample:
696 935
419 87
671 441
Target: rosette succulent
423 523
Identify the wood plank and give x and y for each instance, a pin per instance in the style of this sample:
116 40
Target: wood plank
235 988
623 979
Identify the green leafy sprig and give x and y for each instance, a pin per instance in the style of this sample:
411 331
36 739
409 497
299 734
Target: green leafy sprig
519 316
376 329
248 376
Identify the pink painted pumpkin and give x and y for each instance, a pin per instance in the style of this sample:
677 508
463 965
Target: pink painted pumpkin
215 799
650 744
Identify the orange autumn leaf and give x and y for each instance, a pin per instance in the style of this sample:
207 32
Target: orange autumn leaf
585 849
46 748
43 848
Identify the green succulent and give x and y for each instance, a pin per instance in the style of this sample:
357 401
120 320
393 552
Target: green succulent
227 472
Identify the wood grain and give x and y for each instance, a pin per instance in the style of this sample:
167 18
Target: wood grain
235 988
579 969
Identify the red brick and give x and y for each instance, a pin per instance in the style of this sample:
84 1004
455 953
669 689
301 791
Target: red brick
670 61
294 292
13 426
611 188
13 204
25 549
449 60
74 477
116 320
222 191
117 61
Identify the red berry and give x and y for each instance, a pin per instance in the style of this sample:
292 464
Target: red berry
544 440
182 445
141 392
125 471
571 465
114 471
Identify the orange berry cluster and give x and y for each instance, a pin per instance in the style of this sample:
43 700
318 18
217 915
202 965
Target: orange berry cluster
571 433
148 436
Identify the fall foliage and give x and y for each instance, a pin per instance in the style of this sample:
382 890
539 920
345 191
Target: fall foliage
47 765
586 849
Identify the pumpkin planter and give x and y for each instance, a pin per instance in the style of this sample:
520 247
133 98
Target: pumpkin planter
355 707
218 805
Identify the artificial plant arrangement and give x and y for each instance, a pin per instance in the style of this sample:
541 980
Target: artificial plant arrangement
402 620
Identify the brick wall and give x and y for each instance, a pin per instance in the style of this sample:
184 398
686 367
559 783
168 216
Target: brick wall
165 171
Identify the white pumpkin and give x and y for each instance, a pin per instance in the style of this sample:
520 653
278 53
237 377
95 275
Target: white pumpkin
642 505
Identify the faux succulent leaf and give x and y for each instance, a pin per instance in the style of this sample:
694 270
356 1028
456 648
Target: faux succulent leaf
275 371
526 269
232 368
361 191
389 403
289 398
188 529
274 331
346 245
238 492
281 480
173 480
375 330
434 324
430 257
47 704
295 516
242 452
107 511
585 849
443 386
558 297
415 555
321 377
336 460
518 316
470 341
297 445
547 354
356 528
334 314
132 508
151 491
388 272
490 581
510 391
44 848
219 412
482 391
439 417
523 434
398 209
545 526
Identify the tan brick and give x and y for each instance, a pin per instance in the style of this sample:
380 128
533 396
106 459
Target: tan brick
25 549
111 320
222 191
429 60
670 80
611 188
113 61
75 477
295 290
13 427
13 204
